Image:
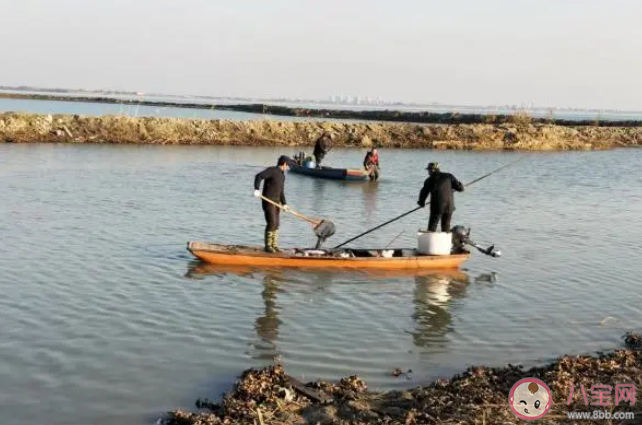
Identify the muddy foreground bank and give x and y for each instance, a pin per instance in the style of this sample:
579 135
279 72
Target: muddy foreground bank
520 135
478 396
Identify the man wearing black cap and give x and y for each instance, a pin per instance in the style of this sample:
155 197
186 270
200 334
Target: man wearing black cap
440 187
273 189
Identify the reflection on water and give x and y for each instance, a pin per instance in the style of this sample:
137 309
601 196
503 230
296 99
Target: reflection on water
432 296
267 325
434 293
321 188
487 278
370 191
137 110
318 188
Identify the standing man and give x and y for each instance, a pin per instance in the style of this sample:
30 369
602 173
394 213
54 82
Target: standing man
322 147
440 187
273 189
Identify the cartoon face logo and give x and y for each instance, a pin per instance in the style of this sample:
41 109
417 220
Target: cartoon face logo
530 399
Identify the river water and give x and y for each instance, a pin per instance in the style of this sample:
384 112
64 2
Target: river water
108 319
137 110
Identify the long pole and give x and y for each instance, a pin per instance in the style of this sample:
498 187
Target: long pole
301 216
493 172
379 226
418 208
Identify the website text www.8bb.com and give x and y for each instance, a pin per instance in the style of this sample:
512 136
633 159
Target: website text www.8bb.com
601 414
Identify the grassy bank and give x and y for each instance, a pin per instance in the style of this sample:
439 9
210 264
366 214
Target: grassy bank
477 396
520 134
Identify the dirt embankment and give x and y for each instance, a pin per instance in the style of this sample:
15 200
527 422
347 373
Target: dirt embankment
478 396
519 135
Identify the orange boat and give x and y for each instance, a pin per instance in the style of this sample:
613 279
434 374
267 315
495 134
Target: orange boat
241 255
200 268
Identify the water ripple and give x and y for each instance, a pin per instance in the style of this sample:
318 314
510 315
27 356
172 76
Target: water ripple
108 319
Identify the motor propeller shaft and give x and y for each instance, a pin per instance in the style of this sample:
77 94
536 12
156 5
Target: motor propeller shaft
461 237
491 250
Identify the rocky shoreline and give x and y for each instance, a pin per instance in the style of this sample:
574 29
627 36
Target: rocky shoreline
517 135
477 396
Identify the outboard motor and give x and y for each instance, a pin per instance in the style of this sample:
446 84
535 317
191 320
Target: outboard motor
461 238
301 158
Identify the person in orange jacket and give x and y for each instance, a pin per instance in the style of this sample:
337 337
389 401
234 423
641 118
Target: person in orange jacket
371 163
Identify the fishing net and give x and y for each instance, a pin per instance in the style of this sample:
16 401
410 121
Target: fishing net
324 230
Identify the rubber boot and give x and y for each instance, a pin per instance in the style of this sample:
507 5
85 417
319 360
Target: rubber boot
275 241
268 241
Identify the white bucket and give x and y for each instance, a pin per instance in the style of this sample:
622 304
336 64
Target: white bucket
434 243
387 253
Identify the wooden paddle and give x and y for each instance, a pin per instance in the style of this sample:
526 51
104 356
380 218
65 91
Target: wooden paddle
323 229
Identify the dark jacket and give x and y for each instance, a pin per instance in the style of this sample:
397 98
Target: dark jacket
274 185
440 187
323 145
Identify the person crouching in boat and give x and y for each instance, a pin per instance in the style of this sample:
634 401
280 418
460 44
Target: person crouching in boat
322 146
371 164
440 187
273 189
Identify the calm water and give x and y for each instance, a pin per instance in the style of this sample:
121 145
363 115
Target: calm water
99 109
89 108
108 319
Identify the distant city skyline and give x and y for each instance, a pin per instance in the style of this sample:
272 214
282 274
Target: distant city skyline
341 99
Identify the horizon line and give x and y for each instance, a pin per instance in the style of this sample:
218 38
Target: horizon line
24 87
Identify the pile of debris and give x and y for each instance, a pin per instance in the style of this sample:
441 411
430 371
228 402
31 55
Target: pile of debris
477 396
269 395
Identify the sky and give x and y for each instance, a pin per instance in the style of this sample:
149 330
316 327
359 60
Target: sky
564 53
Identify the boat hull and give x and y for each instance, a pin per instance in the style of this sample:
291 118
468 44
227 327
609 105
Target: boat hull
330 173
201 268
255 256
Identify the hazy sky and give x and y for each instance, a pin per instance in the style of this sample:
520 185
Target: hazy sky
584 53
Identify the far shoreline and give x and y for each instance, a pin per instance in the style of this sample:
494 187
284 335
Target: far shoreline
520 134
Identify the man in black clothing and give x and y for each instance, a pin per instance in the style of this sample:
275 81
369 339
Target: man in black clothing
322 147
440 187
273 189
